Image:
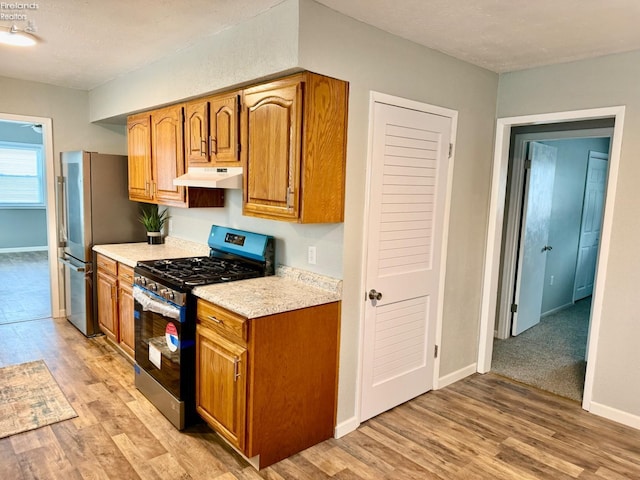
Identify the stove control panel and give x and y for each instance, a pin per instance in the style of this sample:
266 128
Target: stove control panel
174 296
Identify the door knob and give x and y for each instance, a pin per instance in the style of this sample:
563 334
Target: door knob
373 295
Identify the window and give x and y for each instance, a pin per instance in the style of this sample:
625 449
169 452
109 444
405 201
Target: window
21 175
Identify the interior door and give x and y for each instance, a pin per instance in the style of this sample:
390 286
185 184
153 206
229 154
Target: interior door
592 209
408 179
534 236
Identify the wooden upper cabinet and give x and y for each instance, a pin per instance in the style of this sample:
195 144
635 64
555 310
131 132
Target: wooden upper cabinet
167 154
157 156
212 131
225 129
139 146
197 132
272 123
293 133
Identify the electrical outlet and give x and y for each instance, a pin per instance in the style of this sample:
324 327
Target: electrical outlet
311 256
551 280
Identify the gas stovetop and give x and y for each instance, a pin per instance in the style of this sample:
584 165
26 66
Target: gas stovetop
234 255
194 271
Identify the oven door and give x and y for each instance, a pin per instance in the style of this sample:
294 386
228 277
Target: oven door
162 339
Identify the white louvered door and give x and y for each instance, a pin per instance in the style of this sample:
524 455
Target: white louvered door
407 188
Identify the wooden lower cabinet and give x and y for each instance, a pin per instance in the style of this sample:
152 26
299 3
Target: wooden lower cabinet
107 288
126 338
114 282
221 392
268 385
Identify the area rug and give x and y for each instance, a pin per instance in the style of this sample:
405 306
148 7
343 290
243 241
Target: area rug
30 398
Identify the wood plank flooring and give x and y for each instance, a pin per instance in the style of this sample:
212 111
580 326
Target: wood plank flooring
484 427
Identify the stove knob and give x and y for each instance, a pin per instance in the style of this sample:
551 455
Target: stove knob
153 287
164 293
171 295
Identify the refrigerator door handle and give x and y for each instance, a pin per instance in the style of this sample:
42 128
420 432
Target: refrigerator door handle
73 267
62 221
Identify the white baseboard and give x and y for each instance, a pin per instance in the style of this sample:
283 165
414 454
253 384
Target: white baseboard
616 415
457 375
557 309
345 427
24 249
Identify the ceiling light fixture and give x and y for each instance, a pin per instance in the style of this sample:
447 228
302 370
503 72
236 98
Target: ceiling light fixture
16 37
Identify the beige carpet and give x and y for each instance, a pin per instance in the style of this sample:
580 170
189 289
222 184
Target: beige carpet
550 355
30 398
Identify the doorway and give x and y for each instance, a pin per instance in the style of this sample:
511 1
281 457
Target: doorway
490 297
28 247
554 225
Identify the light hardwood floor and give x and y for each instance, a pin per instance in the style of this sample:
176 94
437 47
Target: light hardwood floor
484 427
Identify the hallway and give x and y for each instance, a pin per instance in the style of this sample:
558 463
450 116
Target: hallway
550 355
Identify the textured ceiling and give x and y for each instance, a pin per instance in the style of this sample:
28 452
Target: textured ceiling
86 43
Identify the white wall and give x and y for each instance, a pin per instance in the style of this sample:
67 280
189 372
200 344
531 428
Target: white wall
69 111
604 81
566 213
371 59
261 47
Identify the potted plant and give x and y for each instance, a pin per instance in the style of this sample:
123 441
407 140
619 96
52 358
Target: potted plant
153 220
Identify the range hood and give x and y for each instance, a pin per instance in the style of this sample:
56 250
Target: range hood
211 177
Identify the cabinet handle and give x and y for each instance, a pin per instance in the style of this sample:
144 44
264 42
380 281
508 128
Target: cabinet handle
217 320
289 198
113 293
236 369
146 188
154 189
203 144
213 145
127 276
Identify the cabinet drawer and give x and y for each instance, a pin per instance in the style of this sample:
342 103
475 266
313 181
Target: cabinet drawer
125 274
107 264
222 320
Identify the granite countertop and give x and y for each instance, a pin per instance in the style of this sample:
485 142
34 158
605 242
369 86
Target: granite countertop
290 289
131 253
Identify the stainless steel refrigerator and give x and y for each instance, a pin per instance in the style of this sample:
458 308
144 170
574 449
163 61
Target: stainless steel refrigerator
93 208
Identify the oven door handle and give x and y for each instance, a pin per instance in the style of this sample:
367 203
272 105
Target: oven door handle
155 304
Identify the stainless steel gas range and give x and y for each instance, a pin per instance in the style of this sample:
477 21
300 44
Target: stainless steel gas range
165 316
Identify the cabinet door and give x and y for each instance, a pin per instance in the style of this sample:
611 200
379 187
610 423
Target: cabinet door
196 132
107 304
125 318
224 146
271 134
139 147
221 368
167 155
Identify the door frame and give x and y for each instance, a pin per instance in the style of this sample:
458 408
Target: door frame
595 156
513 214
378 97
495 229
50 203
